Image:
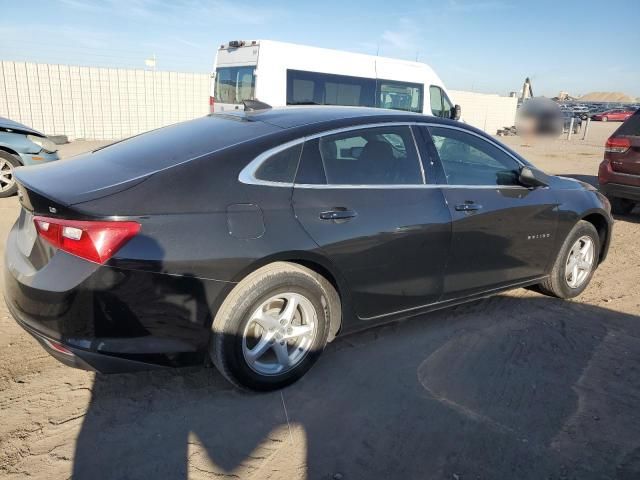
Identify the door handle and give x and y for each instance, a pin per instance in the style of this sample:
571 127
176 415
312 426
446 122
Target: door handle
338 214
468 207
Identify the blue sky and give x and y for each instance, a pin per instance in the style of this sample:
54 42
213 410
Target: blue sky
483 45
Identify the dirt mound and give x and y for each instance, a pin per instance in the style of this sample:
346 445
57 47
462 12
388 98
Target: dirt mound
607 97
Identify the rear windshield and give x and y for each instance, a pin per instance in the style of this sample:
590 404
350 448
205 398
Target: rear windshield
631 126
139 156
234 84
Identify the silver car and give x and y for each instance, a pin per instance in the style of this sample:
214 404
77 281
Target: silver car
21 145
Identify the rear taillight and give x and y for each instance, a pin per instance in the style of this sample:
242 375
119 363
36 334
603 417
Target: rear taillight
93 241
617 145
212 102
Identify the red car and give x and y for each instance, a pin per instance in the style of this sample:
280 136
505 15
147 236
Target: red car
615 115
619 173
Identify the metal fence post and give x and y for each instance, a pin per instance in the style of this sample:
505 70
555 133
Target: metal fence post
570 128
586 129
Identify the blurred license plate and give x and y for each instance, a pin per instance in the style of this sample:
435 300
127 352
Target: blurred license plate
26 233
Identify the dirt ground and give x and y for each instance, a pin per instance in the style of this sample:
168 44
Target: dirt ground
517 386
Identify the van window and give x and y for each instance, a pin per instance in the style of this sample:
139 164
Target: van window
399 96
312 88
440 104
234 84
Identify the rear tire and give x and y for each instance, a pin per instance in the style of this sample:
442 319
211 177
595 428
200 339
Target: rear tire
572 271
8 185
621 206
273 326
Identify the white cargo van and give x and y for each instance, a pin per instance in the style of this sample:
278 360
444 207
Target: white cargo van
281 74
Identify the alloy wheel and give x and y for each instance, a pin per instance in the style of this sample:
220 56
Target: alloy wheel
7 180
279 333
579 262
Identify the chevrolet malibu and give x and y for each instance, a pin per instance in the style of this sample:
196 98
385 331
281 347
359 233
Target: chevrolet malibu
254 238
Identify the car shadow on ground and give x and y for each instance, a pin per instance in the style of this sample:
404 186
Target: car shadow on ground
508 387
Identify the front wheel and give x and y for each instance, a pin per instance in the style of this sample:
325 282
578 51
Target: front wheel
575 264
605 119
273 326
8 163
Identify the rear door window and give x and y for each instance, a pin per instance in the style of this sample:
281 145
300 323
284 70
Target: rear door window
234 84
370 156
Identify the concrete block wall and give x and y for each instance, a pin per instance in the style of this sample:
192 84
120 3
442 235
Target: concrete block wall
99 103
487 112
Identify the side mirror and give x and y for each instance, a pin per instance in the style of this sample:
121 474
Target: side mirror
456 112
531 177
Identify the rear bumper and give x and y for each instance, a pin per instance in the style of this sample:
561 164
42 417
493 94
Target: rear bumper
621 191
110 319
84 359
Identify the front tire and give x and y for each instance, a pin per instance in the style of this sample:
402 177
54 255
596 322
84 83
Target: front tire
273 326
8 185
575 264
605 119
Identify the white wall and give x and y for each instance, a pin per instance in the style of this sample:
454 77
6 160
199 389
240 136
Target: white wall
486 111
99 103
114 103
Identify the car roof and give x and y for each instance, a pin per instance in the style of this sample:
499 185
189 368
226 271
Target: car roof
291 117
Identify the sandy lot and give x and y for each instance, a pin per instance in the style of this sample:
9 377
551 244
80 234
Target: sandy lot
516 386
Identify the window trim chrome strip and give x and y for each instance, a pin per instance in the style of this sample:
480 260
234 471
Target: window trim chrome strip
247 174
415 145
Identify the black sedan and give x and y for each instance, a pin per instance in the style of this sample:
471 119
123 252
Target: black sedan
254 238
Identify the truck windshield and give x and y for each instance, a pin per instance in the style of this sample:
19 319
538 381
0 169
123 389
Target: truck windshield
234 84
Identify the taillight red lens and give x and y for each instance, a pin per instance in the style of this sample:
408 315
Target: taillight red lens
93 241
617 145
212 102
